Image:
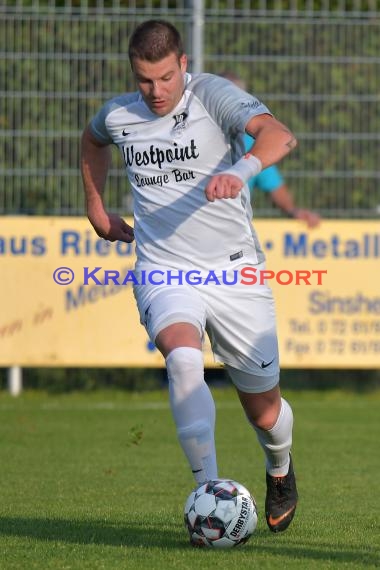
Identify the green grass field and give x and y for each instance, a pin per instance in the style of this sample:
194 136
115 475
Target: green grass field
98 481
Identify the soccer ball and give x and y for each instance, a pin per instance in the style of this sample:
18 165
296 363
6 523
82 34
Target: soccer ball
220 514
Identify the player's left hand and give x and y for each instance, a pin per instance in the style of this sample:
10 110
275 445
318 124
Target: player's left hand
223 186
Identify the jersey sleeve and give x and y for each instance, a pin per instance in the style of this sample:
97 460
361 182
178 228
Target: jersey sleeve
227 104
98 125
102 124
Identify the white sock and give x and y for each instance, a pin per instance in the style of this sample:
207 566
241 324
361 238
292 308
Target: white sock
277 441
193 410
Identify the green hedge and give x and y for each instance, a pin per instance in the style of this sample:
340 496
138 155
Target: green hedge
57 70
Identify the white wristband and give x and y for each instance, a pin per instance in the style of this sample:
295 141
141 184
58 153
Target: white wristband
245 168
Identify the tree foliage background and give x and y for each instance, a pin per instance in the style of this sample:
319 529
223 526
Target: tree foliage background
317 72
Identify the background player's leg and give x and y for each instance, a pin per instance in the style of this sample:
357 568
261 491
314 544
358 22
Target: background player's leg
191 401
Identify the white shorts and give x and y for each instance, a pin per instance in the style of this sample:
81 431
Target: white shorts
239 320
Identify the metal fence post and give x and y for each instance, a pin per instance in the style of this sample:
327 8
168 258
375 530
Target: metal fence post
196 39
15 380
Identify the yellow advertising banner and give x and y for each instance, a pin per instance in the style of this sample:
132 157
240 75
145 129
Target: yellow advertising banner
56 311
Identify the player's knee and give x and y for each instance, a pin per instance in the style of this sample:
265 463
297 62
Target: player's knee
178 335
262 409
264 420
268 417
185 374
263 413
183 363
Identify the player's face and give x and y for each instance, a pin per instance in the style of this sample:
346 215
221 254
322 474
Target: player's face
161 83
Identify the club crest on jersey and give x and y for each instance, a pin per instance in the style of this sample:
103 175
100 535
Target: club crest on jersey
180 123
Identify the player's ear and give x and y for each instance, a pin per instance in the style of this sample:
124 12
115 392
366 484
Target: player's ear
183 62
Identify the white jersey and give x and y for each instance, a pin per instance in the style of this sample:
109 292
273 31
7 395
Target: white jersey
169 161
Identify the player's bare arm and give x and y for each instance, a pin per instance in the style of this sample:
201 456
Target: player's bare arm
273 142
95 163
273 139
283 199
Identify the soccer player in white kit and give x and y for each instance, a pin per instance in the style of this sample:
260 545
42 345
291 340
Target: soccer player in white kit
181 137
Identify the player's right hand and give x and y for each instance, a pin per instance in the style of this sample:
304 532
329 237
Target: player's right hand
112 228
223 186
